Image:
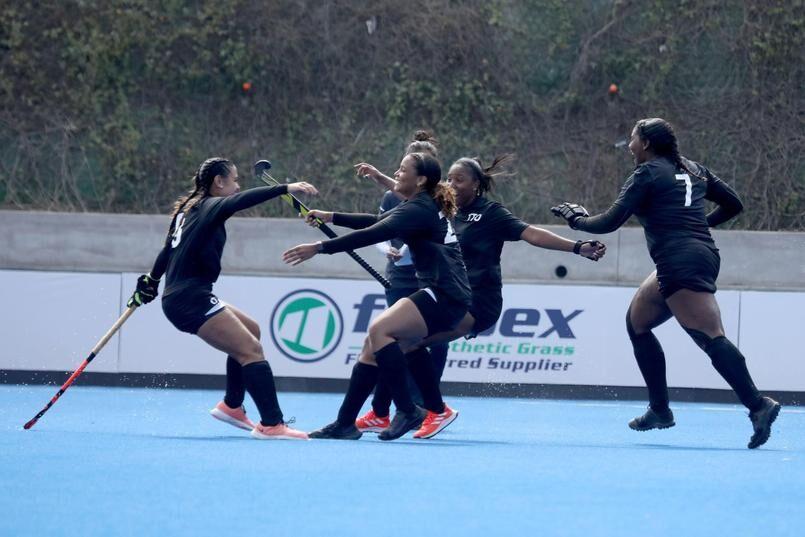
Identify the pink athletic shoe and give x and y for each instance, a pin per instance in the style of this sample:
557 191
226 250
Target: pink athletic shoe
232 416
280 431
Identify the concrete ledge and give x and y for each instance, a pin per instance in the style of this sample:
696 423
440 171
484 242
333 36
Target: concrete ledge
88 242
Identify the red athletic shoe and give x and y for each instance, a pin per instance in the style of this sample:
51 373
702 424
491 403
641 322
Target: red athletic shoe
434 423
232 416
372 423
280 431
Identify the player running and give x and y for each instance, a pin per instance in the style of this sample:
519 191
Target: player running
666 192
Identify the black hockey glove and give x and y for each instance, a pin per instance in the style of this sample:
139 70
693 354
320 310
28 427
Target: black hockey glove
146 291
595 253
570 212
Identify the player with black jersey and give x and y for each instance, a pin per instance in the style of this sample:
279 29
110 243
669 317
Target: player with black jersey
401 274
422 223
482 227
666 192
191 263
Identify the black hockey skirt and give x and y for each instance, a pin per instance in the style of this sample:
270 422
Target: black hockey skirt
690 265
441 312
189 308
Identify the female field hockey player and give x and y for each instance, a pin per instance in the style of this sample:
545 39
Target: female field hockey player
402 276
191 263
666 192
422 222
482 227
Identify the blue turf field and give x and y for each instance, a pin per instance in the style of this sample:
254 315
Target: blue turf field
146 462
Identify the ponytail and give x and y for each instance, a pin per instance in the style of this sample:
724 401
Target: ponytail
445 198
485 176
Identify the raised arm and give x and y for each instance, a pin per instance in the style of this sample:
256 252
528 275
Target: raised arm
254 196
364 169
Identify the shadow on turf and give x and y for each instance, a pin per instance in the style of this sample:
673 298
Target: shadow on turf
697 448
669 447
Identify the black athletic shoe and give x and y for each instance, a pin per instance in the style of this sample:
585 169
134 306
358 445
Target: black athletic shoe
761 422
653 420
337 431
402 423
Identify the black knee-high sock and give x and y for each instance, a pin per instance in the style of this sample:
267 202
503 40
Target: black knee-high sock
421 366
381 402
361 383
438 355
259 382
651 361
235 391
731 365
392 364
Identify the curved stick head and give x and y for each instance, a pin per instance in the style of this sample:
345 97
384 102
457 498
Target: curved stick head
261 166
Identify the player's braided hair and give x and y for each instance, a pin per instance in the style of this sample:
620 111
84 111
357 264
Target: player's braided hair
427 166
485 175
202 182
423 142
662 141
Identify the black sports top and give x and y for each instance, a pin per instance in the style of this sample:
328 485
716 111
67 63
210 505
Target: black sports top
668 203
400 276
482 228
420 224
195 244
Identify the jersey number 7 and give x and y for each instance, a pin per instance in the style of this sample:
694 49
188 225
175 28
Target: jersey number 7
688 186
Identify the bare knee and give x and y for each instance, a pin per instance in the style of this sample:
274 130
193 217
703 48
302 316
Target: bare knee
633 328
380 335
249 352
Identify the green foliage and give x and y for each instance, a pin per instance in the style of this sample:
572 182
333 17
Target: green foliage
111 106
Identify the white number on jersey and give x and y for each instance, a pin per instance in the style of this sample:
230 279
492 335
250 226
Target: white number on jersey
177 230
688 187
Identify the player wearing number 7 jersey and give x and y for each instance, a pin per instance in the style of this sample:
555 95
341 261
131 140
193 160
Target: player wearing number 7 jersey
666 192
191 263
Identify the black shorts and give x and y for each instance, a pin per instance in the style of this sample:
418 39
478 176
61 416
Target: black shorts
441 312
690 265
190 308
485 309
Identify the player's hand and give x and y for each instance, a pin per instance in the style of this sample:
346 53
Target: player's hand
394 254
314 217
363 169
302 188
301 253
570 212
146 291
594 250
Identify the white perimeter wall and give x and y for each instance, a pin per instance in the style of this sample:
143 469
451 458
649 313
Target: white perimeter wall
51 320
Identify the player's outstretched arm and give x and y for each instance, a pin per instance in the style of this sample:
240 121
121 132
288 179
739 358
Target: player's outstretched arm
542 238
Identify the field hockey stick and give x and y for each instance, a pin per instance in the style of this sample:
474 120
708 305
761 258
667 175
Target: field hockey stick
261 170
77 372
